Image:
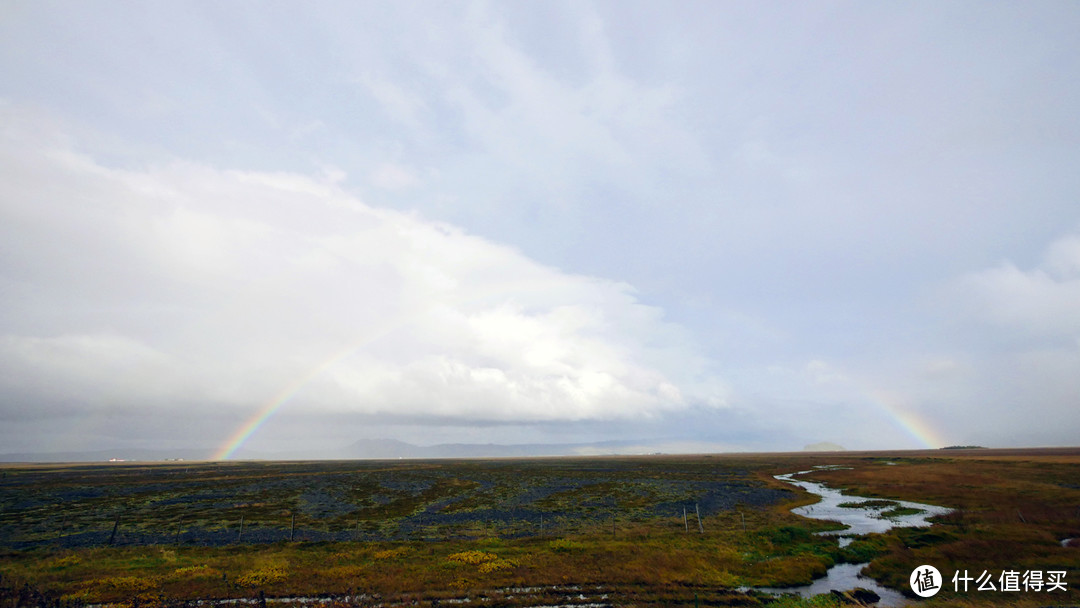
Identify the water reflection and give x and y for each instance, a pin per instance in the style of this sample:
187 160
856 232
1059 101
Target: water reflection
860 515
843 577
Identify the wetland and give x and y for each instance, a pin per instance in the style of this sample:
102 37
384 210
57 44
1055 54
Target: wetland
570 531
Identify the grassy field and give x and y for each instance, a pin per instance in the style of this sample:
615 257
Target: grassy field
604 531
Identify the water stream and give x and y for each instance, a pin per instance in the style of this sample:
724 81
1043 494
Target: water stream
860 515
871 517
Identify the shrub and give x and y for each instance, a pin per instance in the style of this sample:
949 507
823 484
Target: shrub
497 565
267 575
391 553
472 557
200 571
65 561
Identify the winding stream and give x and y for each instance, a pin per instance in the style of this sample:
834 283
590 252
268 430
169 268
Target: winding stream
870 518
861 515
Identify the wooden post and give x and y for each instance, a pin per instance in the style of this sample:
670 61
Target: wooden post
684 522
541 526
743 519
356 536
613 517
292 528
116 525
240 535
179 524
1021 515
701 529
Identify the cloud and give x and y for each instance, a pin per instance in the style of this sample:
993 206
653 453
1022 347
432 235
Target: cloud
1041 302
177 284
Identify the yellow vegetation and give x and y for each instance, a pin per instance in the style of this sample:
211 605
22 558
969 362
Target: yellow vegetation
267 575
64 562
200 571
391 553
497 566
472 557
123 583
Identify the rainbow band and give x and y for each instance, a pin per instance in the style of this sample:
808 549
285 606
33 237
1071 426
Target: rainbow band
897 412
914 425
248 429
264 413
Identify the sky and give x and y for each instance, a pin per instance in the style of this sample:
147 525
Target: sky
271 227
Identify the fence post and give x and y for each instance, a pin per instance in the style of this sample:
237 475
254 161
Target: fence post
701 529
612 517
292 528
116 524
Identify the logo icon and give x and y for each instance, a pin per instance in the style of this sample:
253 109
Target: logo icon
925 581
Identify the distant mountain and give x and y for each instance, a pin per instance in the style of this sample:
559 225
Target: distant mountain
133 454
360 450
391 448
824 446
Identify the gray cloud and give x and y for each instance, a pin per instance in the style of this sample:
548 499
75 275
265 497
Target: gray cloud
181 283
586 219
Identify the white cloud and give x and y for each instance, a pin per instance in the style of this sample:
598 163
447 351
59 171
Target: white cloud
182 282
556 133
1043 301
93 369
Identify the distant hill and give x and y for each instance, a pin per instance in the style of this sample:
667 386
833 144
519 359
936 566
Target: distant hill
824 446
132 454
362 450
964 447
391 448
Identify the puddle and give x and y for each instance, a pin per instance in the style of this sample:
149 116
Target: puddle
573 597
843 577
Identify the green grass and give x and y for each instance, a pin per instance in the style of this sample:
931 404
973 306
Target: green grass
897 512
868 504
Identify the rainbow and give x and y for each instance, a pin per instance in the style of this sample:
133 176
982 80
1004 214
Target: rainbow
922 431
904 417
271 406
891 404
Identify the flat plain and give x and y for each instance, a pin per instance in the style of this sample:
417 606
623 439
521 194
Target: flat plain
620 531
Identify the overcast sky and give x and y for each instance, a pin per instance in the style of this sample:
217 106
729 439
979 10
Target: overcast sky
716 225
